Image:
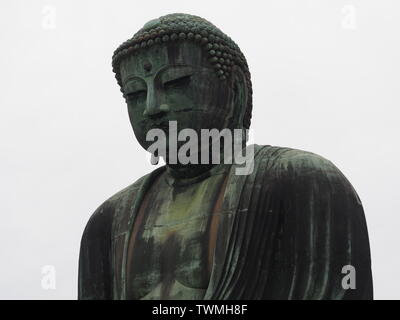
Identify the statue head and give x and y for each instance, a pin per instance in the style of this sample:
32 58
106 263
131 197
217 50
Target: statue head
182 68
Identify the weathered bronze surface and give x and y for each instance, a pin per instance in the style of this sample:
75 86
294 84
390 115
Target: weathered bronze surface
201 231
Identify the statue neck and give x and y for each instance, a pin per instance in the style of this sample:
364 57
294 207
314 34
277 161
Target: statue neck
188 171
195 172
178 177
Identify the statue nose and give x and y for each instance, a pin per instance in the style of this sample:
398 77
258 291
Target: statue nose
156 110
153 108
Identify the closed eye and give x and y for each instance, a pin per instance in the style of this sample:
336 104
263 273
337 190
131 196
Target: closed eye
177 83
136 94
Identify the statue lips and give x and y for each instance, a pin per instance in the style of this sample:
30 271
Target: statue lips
163 125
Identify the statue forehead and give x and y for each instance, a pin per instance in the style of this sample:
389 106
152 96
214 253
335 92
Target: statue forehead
156 57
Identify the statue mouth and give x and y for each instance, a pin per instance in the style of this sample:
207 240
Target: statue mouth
163 125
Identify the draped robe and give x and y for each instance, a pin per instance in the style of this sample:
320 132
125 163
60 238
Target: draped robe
285 231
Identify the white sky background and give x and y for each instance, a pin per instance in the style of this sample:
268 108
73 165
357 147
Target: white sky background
325 77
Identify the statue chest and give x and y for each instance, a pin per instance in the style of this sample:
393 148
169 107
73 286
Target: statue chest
171 247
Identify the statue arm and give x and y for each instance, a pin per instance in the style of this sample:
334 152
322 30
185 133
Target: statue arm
321 233
94 279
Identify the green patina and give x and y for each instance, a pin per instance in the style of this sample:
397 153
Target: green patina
199 231
176 225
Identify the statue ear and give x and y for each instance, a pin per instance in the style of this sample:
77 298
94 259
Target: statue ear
240 95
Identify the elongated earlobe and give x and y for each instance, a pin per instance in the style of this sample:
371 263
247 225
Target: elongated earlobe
240 97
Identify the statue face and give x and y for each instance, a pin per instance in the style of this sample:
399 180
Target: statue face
174 82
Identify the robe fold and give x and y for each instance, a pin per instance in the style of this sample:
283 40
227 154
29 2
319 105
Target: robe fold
285 231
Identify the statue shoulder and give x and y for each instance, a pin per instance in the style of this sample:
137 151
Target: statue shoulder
296 162
126 193
103 216
301 168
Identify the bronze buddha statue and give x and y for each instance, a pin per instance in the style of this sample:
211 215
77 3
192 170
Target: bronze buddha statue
285 230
